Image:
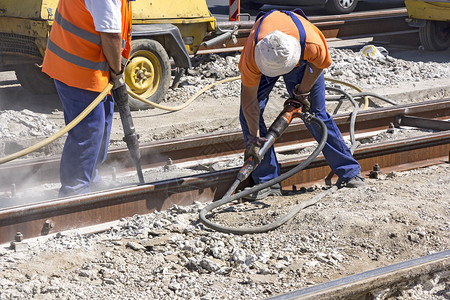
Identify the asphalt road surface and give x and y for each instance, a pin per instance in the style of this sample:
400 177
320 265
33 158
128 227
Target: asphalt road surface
219 8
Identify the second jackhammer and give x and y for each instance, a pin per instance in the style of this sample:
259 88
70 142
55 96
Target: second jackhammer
120 96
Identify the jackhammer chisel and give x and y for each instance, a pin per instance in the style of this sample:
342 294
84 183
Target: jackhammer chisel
292 109
120 96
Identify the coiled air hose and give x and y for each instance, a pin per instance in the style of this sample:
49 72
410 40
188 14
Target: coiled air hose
61 132
245 192
296 209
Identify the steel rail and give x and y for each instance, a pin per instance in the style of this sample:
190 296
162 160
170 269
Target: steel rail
209 146
364 285
384 25
96 208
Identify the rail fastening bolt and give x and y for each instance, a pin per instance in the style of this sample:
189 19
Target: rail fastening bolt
49 224
391 128
18 237
376 171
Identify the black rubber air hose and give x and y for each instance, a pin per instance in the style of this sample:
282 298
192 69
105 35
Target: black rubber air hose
291 213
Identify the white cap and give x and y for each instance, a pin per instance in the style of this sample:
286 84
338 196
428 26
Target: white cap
277 53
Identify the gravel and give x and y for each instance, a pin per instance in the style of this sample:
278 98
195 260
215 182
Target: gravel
170 255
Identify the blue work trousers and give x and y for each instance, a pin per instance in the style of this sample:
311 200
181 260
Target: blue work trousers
86 145
336 152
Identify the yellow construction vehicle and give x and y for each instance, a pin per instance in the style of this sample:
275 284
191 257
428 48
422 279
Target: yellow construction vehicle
162 30
433 19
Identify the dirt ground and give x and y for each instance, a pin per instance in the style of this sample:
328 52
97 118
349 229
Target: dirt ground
170 255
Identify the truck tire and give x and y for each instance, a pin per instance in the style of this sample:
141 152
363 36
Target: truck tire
435 35
34 80
147 72
340 6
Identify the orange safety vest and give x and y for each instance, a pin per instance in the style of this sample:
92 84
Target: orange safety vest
74 53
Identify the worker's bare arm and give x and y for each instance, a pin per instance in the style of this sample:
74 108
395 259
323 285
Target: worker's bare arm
250 108
309 78
112 49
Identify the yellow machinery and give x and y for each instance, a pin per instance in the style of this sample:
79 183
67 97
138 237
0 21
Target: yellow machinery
161 30
433 20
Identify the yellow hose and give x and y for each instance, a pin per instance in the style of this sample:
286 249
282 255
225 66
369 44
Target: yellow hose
69 126
179 107
107 89
366 99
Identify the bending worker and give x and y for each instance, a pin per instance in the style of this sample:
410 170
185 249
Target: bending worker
87 43
284 43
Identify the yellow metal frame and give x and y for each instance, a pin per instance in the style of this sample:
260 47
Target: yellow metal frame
35 29
428 10
31 9
34 18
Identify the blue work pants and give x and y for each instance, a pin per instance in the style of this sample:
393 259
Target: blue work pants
336 152
86 145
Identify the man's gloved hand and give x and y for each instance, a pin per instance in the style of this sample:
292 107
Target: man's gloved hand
303 98
254 144
117 79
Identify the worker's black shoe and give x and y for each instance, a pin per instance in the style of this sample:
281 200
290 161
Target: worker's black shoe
355 182
274 190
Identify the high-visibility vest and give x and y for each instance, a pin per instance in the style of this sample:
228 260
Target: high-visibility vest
74 53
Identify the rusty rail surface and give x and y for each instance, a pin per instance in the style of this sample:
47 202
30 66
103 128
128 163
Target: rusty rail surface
156 154
386 26
389 279
91 209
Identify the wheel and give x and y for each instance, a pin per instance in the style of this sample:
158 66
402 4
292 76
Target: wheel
435 35
31 77
147 72
250 5
340 6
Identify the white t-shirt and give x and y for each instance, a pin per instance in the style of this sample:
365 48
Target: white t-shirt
107 15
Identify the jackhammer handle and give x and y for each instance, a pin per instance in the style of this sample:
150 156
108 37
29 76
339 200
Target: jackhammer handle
120 95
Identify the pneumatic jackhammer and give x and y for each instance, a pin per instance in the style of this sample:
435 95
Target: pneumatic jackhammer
120 96
292 109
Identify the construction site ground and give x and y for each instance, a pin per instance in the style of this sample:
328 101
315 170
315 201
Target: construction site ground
170 255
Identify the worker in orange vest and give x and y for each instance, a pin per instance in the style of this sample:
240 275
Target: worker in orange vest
88 45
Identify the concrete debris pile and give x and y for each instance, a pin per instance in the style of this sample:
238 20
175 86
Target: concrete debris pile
24 123
208 69
347 66
215 66
386 71
170 255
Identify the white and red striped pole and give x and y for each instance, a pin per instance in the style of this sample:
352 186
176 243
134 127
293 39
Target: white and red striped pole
234 10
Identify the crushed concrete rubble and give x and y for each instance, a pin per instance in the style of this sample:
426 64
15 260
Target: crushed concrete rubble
347 66
25 123
170 255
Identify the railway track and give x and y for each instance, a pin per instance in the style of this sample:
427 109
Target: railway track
386 26
67 213
63 214
212 146
387 281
